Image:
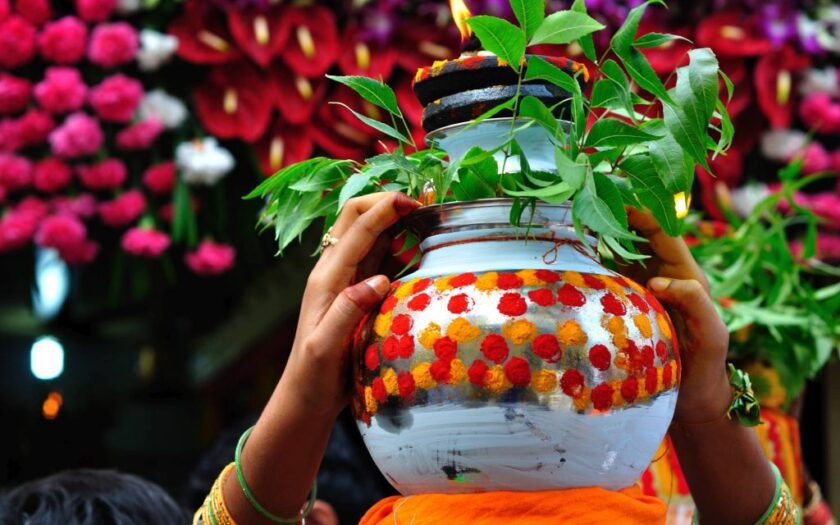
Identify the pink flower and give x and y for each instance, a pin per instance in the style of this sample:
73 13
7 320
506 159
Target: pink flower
17 42
109 174
14 94
211 258
116 98
140 135
16 229
78 136
95 10
123 210
820 113
827 206
9 136
827 247
112 44
36 11
51 174
835 163
60 231
160 178
15 172
63 41
814 158
83 252
83 206
145 242
33 206
5 9
61 91
34 127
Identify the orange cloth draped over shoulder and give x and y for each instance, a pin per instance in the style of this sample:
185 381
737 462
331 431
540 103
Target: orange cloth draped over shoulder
586 506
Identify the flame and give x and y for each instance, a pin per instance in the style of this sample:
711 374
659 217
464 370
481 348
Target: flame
460 13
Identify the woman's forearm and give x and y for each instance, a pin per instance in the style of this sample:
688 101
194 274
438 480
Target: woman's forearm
727 472
280 459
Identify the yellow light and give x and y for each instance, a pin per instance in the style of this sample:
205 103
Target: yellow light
230 101
52 405
261 33
460 14
783 82
682 204
305 41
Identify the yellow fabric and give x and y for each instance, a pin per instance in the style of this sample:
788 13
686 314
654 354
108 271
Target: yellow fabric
586 506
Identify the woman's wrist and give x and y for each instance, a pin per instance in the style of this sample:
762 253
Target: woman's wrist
708 401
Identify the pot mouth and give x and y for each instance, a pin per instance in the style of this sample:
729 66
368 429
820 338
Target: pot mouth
482 214
457 127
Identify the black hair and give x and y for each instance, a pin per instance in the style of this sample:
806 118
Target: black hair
90 497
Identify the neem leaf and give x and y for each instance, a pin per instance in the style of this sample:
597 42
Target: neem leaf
353 186
586 42
669 160
500 37
375 124
684 120
657 39
590 209
652 192
563 27
374 91
703 75
643 74
622 40
541 69
530 14
608 132
570 171
533 108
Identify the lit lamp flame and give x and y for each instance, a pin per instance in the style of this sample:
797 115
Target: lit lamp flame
682 204
460 14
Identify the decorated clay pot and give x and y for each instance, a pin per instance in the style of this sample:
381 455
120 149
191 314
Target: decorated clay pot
512 359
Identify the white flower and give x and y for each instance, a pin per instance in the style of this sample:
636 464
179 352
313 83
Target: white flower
161 105
203 161
127 7
781 144
746 198
825 80
828 28
155 49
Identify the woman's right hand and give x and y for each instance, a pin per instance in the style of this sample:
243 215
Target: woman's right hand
342 288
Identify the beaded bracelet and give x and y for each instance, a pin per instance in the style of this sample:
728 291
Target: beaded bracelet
313 494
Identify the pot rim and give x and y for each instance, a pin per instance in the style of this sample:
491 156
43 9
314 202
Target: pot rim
433 219
434 134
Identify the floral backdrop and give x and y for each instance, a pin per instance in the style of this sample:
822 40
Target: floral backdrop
106 144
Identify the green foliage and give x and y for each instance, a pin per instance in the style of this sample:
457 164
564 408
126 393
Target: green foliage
609 153
774 305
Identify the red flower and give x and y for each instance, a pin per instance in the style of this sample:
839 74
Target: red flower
445 349
14 94
736 69
357 57
261 34
464 279
600 357
459 303
78 136
95 10
63 41
420 44
518 371
36 11
203 36
380 393
542 296
160 178
547 347
17 229
17 42
107 175
84 205
233 102
639 303
9 137
145 242
82 252
568 295
116 98
821 113
441 371
141 135
34 127
572 383
509 281
283 145
313 46
406 386
773 79
613 305
602 396
730 34
297 97
123 210
15 172
495 348
51 174
419 302
401 324
60 232
211 258
477 372
61 91
512 304
372 357
112 44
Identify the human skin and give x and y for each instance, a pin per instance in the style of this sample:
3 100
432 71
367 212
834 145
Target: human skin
728 474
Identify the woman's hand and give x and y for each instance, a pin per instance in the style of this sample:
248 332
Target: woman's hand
677 281
341 289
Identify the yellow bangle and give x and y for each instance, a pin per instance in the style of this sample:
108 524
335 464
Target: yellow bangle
217 499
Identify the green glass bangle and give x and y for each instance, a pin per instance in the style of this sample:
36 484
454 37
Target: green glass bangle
313 494
211 512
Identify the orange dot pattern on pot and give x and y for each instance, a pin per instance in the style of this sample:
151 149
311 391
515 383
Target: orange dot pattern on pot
610 344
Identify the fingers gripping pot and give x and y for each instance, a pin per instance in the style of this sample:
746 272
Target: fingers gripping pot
512 360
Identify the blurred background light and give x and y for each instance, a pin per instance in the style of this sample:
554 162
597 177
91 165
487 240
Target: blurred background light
46 359
52 283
